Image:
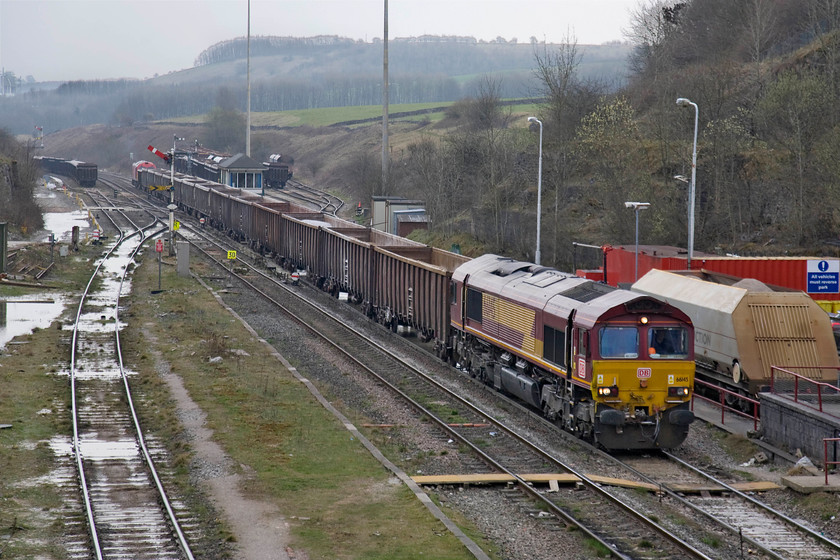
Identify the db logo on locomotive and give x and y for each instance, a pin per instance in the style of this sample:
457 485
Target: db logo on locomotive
643 373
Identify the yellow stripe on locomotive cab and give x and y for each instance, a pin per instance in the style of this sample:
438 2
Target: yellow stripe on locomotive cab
642 383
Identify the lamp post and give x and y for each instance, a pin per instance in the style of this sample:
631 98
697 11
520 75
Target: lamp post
683 102
637 206
539 190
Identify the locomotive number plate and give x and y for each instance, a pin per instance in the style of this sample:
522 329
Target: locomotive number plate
643 373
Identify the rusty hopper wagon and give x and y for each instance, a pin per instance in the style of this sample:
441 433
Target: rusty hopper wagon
744 327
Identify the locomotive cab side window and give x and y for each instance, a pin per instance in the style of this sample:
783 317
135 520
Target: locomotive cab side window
554 345
453 293
618 342
474 305
582 342
667 342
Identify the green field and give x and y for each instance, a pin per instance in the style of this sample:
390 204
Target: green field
329 116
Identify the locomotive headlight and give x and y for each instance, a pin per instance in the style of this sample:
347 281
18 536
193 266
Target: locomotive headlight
678 391
643 320
608 391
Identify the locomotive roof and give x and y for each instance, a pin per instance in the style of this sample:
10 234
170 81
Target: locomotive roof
556 292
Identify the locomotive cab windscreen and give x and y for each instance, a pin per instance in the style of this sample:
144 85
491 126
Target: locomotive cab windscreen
618 342
667 343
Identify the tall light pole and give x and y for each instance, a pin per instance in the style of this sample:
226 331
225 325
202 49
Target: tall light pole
539 190
683 102
637 206
386 161
248 101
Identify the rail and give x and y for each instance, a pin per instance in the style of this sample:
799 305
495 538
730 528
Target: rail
804 389
722 394
826 462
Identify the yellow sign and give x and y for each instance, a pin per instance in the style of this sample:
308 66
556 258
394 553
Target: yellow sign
176 226
160 187
231 255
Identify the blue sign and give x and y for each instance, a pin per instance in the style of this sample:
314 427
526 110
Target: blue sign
823 276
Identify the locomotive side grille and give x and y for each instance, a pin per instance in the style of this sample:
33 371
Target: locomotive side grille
588 291
510 322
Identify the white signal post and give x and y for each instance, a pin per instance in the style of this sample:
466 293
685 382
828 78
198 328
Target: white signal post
159 251
172 205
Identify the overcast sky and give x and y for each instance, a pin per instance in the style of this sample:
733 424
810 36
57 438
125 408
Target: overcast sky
88 39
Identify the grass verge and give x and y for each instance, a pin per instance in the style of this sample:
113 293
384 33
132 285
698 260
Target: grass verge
339 501
35 400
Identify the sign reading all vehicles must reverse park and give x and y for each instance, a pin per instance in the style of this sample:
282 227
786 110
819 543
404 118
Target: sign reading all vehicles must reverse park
823 276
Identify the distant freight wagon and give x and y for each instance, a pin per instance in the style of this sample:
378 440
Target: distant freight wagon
83 173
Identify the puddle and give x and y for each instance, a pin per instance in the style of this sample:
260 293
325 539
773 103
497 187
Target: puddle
23 314
103 450
61 224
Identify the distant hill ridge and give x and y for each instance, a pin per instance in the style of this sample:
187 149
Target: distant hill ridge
330 55
234 49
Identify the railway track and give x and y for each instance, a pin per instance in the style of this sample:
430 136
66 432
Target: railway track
731 533
127 511
324 201
616 525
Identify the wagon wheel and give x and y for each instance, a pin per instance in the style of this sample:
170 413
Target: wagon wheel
737 375
445 354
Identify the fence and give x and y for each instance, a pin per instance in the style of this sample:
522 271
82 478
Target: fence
733 397
804 390
826 462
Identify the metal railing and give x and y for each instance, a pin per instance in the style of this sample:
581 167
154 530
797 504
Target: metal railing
826 462
723 393
804 390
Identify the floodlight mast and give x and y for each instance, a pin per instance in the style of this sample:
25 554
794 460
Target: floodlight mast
539 190
683 102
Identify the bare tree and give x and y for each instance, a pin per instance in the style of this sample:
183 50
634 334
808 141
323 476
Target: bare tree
824 21
760 20
793 116
651 24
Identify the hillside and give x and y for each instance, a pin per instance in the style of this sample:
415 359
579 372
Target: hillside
323 156
763 82
344 73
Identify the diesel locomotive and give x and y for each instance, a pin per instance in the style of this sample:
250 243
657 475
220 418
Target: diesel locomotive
613 366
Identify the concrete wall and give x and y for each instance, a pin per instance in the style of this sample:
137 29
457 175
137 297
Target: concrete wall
791 426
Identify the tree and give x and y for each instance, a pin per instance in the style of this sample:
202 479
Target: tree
226 129
793 115
651 24
609 141
567 101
